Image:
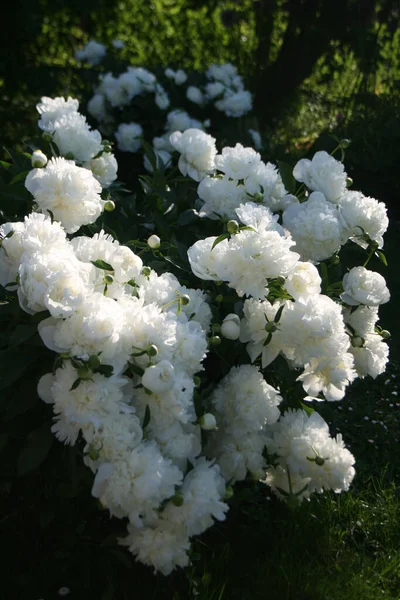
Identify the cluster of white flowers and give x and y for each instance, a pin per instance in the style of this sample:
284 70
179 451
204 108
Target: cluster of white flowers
93 53
308 459
74 138
226 89
125 378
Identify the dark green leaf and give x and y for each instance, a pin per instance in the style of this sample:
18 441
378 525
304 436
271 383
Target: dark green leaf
147 416
219 239
36 449
102 264
286 172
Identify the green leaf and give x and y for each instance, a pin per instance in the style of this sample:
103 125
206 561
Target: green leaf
279 313
36 449
102 264
19 177
306 408
135 369
13 363
219 239
75 385
106 370
286 172
147 416
21 334
381 257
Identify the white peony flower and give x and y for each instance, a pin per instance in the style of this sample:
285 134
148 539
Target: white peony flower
238 162
73 136
235 104
127 136
52 110
96 107
316 228
303 280
362 286
258 326
372 357
363 216
160 377
92 53
104 169
322 174
194 94
197 151
71 193
221 196
205 261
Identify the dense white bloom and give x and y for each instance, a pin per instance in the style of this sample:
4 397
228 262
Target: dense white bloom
237 452
93 53
73 136
160 377
114 90
205 261
197 151
315 226
363 216
303 445
371 358
328 375
303 280
362 286
52 110
54 280
214 89
179 120
39 159
163 546
104 169
127 136
322 174
71 193
362 320
116 435
194 94
221 196
138 484
254 257
265 179
258 326
259 217
238 162
244 400
235 104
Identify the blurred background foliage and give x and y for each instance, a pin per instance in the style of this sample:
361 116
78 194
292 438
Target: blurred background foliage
314 66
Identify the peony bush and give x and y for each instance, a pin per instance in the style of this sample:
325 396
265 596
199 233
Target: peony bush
194 325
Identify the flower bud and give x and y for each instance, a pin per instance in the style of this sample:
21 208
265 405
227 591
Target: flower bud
349 182
230 329
357 341
185 299
258 197
208 422
214 340
219 298
146 271
152 350
319 461
386 334
345 143
109 206
159 377
94 361
178 499
108 279
232 227
335 260
39 159
270 327
84 373
228 492
47 136
154 242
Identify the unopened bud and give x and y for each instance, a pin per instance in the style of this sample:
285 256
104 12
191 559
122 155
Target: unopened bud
146 271
219 298
345 143
185 299
349 182
232 227
335 260
154 242
270 327
178 499
94 361
109 206
357 341
386 334
258 197
108 279
230 329
39 159
152 350
208 422
47 136
319 461
214 340
228 492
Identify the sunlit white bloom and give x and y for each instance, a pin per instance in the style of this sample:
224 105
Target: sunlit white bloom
363 216
362 286
258 326
322 174
73 136
160 377
258 217
372 357
205 261
197 151
303 280
230 327
71 193
53 109
315 226
362 320
266 180
221 196
238 162
104 169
